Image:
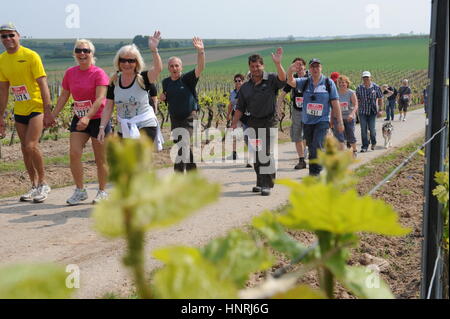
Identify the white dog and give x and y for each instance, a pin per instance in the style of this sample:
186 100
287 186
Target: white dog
387 129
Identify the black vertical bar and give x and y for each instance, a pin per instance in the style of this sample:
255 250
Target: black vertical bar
437 149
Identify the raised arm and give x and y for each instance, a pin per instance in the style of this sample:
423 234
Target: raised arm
277 57
153 43
294 68
198 44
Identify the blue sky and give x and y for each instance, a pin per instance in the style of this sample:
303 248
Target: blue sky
216 19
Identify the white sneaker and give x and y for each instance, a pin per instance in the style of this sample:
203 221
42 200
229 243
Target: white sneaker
400 118
42 193
101 195
404 119
29 196
78 196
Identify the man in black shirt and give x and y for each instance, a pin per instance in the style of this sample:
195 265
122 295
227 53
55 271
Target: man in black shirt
404 99
391 94
180 94
258 98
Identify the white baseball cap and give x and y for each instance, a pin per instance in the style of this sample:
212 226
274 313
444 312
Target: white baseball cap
8 27
366 73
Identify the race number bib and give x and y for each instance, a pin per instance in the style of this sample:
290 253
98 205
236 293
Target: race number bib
299 101
256 143
344 106
20 93
314 109
81 109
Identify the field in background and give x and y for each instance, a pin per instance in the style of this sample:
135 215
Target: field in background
388 59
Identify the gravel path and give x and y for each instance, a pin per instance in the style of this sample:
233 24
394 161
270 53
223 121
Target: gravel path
54 232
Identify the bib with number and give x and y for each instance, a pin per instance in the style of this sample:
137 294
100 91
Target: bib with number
21 93
344 106
314 109
256 144
81 108
299 101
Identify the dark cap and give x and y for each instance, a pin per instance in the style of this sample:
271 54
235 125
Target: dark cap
314 61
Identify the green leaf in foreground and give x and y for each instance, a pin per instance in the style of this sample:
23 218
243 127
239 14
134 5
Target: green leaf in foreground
154 202
277 237
236 256
40 281
363 282
188 275
322 207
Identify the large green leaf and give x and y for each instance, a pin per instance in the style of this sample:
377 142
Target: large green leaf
236 256
322 207
128 157
40 281
277 237
188 275
154 203
109 217
170 199
441 194
362 282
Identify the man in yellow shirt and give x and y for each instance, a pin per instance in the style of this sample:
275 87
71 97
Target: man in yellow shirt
21 70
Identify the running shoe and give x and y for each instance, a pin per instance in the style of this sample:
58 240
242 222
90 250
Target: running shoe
42 193
101 195
78 196
29 196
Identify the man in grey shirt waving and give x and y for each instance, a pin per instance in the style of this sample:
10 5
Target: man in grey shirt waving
258 97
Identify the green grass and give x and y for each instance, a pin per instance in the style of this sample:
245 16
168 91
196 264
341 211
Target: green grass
387 159
59 160
373 54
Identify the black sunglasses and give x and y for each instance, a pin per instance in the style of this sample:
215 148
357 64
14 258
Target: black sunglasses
86 51
5 36
239 80
121 60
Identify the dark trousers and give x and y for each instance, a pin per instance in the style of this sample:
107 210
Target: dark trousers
264 165
367 122
390 110
182 165
315 137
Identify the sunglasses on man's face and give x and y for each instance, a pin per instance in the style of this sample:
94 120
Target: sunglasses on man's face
5 36
85 51
121 60
238 81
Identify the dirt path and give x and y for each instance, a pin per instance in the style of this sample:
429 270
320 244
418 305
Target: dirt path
57 233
